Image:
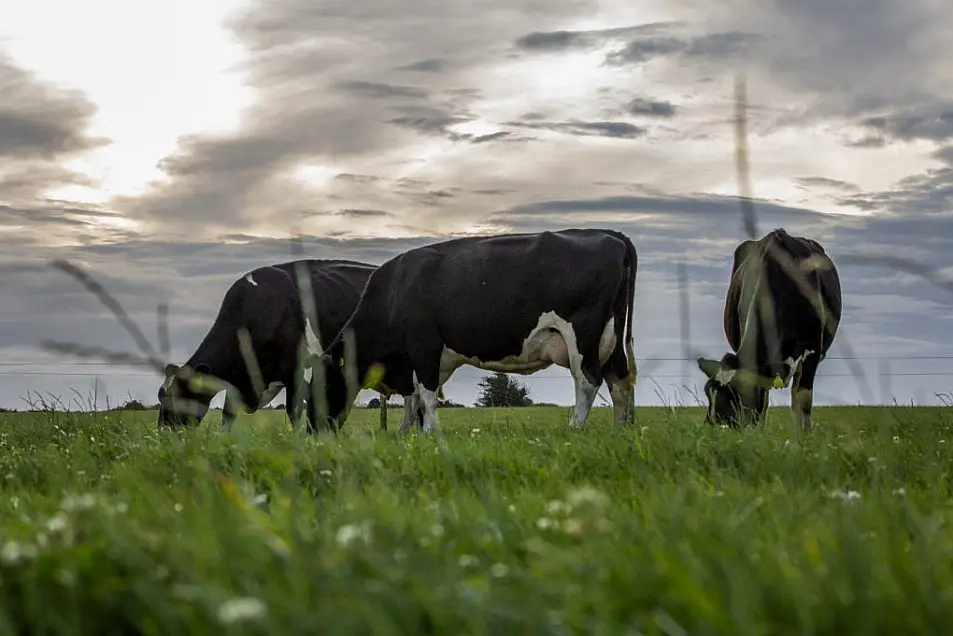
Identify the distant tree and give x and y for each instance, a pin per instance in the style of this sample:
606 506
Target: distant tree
131 405
374 403
501 390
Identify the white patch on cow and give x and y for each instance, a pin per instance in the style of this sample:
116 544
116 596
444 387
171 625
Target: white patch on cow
793 364
551 341
251 280
269 394
607 341
724 376
313 342
308 374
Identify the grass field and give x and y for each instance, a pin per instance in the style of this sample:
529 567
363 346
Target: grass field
507 524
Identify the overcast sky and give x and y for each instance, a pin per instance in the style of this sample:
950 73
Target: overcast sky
168 147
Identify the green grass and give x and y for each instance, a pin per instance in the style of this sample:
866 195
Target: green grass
507 524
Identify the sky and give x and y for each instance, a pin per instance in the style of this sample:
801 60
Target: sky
170 148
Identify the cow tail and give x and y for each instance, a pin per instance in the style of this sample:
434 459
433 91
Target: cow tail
632 266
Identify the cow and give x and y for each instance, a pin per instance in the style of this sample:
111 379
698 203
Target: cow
782 311
262 312
515 303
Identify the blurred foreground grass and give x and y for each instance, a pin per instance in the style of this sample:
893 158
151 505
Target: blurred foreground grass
507 524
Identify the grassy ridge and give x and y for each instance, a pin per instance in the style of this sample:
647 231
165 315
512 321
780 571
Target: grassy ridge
507 524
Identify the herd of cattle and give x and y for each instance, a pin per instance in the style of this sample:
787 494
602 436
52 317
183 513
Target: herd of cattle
515 303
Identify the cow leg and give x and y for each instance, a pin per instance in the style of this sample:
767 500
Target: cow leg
802 390
586 373
411 412
623 401
426 375
621 387
293 401
229 413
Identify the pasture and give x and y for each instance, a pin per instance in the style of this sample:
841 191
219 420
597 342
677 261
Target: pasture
505 523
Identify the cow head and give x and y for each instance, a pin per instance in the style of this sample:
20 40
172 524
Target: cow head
185 395
337 397
733 392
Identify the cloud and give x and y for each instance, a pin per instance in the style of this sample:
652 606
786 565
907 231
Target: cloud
41 125
616 129
563 40
381 90
930 122
641 106
324 97
924 199
825 182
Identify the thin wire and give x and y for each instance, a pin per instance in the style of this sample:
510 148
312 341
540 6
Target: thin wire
82 363
88 374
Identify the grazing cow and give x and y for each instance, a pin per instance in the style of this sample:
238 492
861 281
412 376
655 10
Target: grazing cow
781 313
262 314
514 303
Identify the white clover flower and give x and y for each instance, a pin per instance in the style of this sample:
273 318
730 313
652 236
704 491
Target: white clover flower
78 502
14 553
849 495
348 534
544 523
587 495
57 523
241 609
499 570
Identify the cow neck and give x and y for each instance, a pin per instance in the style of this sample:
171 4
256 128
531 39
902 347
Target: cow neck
226 363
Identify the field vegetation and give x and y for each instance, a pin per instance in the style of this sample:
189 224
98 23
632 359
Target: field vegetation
504 523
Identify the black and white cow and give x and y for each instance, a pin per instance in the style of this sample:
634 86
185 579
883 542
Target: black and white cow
266 303
514 303
781 313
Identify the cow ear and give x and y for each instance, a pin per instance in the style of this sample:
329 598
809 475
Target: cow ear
709 367
171 370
